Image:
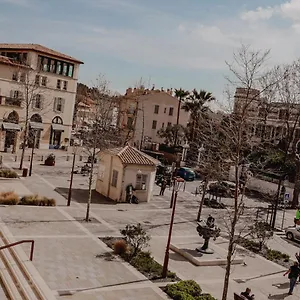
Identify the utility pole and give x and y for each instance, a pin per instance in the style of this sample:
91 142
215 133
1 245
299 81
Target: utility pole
32 153
71 179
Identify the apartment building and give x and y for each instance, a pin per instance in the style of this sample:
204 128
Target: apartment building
266 119
143 112
37 87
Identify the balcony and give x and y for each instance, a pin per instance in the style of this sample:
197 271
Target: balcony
12 101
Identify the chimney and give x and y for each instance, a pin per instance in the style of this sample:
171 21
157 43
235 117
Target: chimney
128 91
162 89
153 87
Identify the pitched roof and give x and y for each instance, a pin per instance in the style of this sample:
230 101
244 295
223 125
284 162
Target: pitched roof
38 48
7 61
132 156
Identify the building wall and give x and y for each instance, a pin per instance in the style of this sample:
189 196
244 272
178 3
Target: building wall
140 106
48 93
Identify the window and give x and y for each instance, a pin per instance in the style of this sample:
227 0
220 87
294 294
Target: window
163 125
52 66
283 114
17 94
58 67
45 64
169 124
154 124
131 108
65 69
59 104
71 70
15 76
65 85
129 122
44 81
37 102
58 84
114 180
165 110
23 77
37 79
141 180
171 110
156 109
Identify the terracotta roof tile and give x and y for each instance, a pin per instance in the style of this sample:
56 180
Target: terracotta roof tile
7 61
132 156
38 48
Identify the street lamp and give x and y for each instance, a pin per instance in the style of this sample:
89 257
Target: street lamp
75 147
200 150
185 148
178 182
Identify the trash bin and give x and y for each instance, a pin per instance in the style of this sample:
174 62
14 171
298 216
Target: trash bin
25 172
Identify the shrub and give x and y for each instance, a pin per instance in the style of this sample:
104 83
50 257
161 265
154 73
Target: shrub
187 290
9 198
120 247
136 236
277 255
8 173
36 200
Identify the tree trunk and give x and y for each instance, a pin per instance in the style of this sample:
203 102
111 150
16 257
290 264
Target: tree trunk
228 268
296 192
24 143
90 187
202 199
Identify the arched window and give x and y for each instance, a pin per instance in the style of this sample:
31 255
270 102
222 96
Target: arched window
36 118
13 117
57 120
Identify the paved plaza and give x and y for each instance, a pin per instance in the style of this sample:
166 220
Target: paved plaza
70 257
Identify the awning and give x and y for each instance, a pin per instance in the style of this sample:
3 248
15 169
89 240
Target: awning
58 127
11 126
36 125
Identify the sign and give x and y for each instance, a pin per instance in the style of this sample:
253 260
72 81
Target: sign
287 197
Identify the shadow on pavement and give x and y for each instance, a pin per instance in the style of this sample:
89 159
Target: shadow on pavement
285 285
278 296
81 196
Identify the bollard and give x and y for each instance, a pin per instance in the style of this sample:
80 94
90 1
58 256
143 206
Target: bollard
16 157
67 157
42 157
29 158
80 158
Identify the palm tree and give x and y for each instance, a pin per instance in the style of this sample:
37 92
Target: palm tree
180 95
196 104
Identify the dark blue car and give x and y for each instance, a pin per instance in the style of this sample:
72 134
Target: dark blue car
186 173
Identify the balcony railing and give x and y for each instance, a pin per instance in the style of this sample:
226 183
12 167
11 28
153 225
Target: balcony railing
12 102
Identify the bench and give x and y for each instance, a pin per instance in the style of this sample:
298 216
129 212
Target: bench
238 297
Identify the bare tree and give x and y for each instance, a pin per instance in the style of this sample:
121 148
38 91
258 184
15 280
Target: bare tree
31 96
247 70
102 134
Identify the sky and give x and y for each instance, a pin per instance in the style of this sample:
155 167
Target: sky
169 43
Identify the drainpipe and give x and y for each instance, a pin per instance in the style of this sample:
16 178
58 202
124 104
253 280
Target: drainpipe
110 174
122 185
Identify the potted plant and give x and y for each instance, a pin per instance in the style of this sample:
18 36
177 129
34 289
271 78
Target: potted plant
50 160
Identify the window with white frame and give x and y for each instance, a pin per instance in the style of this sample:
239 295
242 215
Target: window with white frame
44 81
15 76
65 86
114 179
37 79
23 77
37 102
141 180
58 84
59 104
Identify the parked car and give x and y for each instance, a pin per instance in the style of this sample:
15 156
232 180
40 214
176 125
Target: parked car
293 233
186 173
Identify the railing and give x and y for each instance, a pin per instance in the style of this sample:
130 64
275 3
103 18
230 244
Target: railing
13 101
21 242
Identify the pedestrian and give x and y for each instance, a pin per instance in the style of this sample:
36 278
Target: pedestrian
129 193
294 273
247 295
163 186
297 218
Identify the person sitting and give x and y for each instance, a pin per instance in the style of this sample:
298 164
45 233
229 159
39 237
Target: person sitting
297 217
247 295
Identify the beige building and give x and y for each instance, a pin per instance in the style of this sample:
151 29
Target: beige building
42 82
266 119
120 167
143 112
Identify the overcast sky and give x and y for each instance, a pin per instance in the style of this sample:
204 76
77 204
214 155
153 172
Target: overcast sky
170 43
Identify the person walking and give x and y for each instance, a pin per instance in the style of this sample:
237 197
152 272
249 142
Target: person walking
294 273
163 186
297 217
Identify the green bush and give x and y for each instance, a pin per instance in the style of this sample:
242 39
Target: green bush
8 173
277 255
36 200
145 263
9 198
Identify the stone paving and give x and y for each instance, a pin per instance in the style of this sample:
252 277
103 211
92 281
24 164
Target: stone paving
67 247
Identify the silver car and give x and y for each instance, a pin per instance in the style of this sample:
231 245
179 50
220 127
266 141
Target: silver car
293 233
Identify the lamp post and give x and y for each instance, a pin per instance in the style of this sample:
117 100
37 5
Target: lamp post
72 174
177 184
32 153
185 148
200 150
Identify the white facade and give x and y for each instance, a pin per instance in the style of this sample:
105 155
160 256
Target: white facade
49 96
